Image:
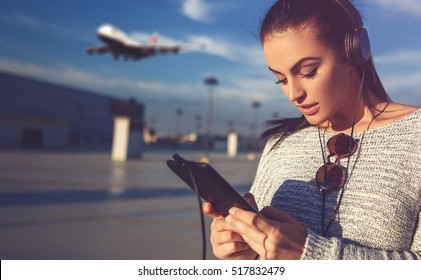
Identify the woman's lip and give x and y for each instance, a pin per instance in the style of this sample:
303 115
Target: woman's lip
309 109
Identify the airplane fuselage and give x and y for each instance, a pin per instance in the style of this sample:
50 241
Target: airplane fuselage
119 44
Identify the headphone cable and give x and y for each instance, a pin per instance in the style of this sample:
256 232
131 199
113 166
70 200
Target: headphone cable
199 201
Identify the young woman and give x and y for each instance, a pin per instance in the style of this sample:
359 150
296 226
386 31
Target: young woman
343 181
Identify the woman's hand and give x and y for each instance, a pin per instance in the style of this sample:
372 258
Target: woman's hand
226 243
273 234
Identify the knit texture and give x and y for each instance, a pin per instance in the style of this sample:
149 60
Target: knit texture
379 216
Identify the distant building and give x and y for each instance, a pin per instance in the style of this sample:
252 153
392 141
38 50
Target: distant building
39 115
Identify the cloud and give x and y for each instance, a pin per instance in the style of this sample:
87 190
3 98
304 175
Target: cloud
400 57
241 88
58 30
400 81
70 75
20 19
403 87
58 73
238 52
250 53
205 10
197 10
8 45
408 6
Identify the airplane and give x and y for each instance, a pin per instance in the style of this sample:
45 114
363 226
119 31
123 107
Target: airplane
120 45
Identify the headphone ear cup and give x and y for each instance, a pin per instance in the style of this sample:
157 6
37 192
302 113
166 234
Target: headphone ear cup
362 46
357 46
348 47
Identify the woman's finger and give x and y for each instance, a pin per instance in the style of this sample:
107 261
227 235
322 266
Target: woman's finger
279 236
208 210
277 215
251 226
227 250
250 198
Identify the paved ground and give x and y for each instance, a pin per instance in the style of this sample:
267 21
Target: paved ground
84 206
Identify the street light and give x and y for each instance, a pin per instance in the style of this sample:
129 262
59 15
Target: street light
230 125
256 105
198 119
178 113
211 82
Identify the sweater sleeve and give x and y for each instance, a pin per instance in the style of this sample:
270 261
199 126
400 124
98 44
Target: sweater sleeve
318 247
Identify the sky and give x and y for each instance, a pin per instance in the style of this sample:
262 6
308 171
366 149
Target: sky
45 39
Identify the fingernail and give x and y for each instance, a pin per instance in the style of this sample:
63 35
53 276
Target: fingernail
228 219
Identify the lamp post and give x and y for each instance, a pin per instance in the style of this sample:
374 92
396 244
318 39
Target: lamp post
153 122
256 105
230 125
211 82
198 119
178 114
78 137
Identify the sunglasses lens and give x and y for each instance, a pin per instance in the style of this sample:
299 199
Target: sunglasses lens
339 145
329 177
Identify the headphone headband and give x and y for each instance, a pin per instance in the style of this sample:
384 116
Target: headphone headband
357 43
353 14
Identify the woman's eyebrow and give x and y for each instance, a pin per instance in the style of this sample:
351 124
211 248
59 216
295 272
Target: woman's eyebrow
296 65
274 71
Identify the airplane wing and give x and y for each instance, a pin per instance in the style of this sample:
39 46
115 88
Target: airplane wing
100 49
141 52
175 49
167 49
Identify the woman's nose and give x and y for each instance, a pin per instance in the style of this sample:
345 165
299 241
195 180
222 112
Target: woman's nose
295 92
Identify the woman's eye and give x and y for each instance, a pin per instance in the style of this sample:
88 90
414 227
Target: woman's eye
310 74
281 82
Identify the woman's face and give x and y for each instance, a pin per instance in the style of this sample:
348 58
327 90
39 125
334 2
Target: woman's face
321 86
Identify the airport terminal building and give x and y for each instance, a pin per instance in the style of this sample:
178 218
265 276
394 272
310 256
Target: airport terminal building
39 115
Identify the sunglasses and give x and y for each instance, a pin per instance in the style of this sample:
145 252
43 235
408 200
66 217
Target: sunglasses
331 175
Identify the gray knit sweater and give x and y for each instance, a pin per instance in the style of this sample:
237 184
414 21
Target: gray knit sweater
379 217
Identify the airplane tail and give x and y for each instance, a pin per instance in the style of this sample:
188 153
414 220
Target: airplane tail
153 39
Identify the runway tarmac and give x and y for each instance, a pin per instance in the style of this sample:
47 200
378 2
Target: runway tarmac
83 206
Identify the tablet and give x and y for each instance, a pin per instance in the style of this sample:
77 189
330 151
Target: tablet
212 187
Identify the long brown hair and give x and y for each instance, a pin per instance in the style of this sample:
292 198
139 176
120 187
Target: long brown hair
331 23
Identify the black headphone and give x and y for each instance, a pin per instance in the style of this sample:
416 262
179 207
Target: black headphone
357 43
